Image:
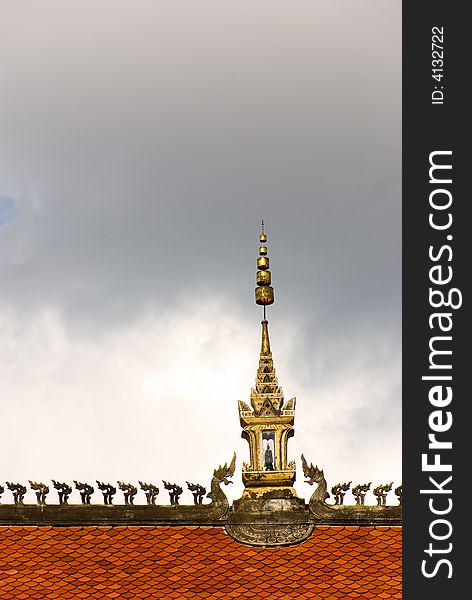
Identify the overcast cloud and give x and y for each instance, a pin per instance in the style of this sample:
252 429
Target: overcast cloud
140 145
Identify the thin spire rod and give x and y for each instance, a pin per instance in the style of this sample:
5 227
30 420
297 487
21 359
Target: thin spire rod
263 234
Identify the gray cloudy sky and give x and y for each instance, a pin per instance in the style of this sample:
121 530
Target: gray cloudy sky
141 142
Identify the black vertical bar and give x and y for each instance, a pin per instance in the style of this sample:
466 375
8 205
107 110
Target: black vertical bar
431 127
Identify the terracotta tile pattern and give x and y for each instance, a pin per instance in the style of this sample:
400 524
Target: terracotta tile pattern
196 562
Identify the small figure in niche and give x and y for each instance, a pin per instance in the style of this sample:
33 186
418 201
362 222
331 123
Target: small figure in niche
268 459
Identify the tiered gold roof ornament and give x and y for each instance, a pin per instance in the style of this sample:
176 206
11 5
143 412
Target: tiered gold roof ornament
269 513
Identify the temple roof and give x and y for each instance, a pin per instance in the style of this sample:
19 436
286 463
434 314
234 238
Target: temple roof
196 562
267 544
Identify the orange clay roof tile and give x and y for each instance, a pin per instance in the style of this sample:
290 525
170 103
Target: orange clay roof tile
196 562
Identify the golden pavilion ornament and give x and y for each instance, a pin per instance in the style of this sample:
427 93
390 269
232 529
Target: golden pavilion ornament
268 423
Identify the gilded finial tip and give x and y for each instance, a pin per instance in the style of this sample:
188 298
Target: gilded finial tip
262 237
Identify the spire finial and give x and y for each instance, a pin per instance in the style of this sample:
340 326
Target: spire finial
264 291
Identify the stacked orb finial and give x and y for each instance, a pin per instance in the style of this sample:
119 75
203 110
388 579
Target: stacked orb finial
264 291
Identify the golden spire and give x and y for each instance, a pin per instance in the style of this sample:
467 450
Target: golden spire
266 381
268 423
